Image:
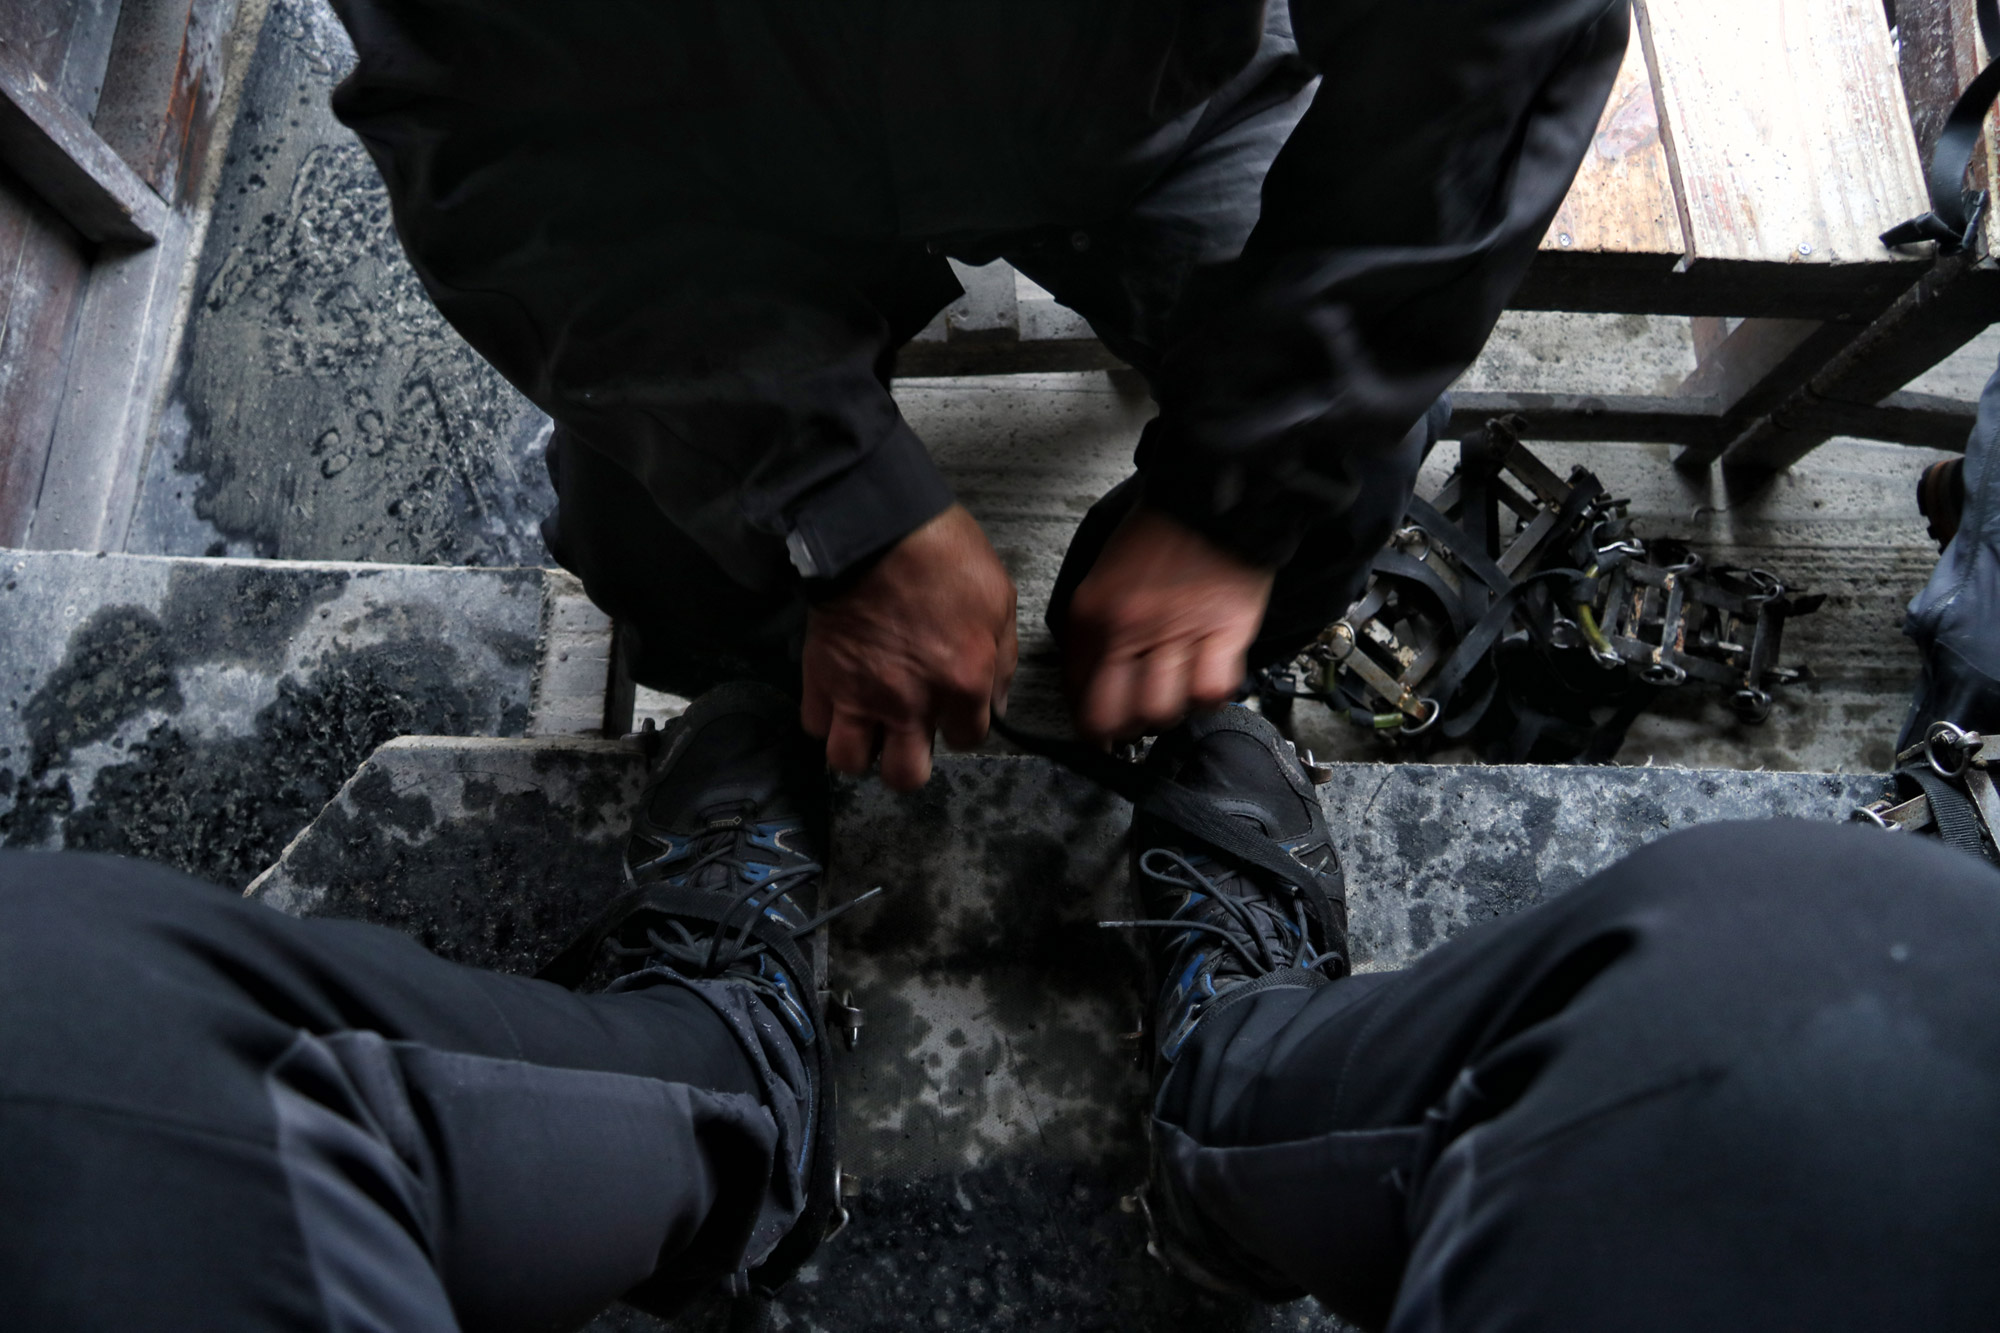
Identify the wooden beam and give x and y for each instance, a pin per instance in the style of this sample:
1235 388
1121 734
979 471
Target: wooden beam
1951 305
1651 285
1924 420
61 158
164 89
1626 418
1763 361
924 360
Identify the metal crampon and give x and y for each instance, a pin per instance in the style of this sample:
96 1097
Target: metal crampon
1519 610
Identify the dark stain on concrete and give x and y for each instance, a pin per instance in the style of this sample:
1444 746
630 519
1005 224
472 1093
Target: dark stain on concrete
505 890
1013 1245
241 612
224 807
118 664
601 806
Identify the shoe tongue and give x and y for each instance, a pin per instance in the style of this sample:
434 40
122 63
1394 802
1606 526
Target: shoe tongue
1235 771
741 764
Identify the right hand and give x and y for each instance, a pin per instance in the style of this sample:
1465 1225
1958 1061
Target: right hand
924 642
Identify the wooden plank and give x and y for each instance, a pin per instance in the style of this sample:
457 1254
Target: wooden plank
118 365
43 278
57 153
39 31
81 78
1785 129
1622 201
165 86
157 111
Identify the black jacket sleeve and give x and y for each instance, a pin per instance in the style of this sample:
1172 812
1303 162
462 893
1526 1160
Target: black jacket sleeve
605 203
1397 221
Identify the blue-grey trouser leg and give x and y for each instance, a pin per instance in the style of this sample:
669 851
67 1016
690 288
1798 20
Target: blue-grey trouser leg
1956 618
216 1116
1747 1078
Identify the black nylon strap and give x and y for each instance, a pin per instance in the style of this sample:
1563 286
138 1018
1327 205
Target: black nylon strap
1951 809
1953 221
1450 536
1395 564
1152 793
1472 649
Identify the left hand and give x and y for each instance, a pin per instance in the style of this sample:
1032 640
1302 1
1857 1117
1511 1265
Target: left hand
1160 626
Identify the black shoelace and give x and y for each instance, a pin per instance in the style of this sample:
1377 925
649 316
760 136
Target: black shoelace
722 847
1246 917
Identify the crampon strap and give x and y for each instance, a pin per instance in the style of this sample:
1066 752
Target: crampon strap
1956 212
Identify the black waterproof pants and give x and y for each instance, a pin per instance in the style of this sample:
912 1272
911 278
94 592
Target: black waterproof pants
216 1116
1747 1078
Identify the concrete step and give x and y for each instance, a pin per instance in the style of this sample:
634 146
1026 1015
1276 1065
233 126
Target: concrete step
200 712
991 1108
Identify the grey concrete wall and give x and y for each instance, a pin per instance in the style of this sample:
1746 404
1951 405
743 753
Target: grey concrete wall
321 408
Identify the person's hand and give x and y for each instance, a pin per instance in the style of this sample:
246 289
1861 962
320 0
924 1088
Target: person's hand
1160 626
924 642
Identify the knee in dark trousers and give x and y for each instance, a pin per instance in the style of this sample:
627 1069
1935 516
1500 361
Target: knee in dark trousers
1744 1078
215 1115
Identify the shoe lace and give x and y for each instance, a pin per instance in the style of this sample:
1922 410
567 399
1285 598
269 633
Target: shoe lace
1248 926
710 953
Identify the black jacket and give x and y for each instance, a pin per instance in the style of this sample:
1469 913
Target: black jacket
695 232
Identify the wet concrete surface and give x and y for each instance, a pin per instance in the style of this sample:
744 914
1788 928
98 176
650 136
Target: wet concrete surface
990 1112
199 713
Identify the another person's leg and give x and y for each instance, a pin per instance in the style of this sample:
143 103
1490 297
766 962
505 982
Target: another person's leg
215 1115
1746 1078
685 624
1954 618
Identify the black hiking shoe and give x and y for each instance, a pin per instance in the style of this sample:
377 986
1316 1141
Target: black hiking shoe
725 863
1225 931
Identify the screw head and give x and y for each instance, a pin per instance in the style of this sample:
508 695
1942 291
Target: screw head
1805 249
1563 239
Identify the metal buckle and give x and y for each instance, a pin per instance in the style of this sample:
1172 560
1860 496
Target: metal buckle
1431 714
1875 814
845 1016
1960 744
